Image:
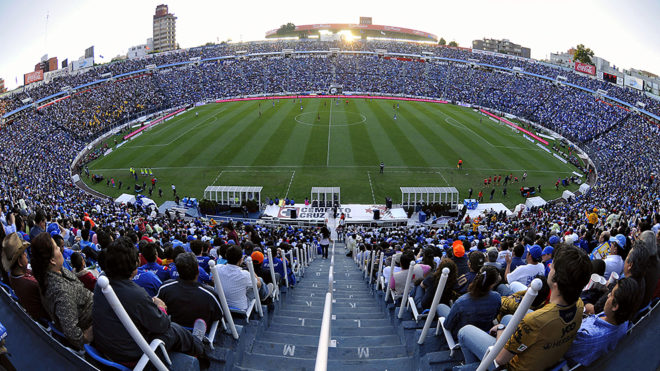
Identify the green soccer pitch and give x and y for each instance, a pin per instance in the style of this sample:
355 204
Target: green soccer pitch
288 151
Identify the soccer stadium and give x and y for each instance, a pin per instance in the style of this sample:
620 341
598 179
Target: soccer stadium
314 201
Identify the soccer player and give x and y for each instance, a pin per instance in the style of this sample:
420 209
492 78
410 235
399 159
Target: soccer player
382 167
460 164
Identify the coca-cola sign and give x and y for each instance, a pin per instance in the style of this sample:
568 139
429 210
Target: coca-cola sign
585 68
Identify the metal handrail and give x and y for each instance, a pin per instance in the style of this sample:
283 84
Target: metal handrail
436 299
404 297
119 310
526 302
255 287
276 285
326 333
223 300
380 269
371 266
286 271
389 289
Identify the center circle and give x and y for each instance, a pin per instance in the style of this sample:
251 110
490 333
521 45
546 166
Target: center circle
310 118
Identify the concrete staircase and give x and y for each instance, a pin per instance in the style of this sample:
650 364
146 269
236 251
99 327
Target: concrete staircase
364 335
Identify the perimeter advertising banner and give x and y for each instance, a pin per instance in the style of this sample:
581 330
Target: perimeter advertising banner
31 77
585 68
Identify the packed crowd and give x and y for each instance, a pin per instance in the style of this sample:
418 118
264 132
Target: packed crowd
72 235
217 51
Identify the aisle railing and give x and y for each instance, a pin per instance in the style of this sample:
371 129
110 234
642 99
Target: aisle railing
324 338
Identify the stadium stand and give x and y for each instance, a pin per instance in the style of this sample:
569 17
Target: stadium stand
372 331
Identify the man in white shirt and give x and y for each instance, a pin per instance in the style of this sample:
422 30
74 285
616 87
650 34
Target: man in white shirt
235 280
524 274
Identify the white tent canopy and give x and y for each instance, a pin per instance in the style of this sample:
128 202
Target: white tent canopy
535 202
584 188
125 198
567 195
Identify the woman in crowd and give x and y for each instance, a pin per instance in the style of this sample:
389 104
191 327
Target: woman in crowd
478 307
65 298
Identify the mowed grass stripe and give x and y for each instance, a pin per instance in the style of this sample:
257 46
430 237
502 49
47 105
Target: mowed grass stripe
363 152
174 158
210 154
316 146
429 126
194 138
341 148
278 129
416 132
401 143
383 145
258 137
474 152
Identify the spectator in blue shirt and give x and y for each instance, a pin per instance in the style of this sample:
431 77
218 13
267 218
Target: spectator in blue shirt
517 259
148 281
478 307
599 334
203 276
150 254
198 248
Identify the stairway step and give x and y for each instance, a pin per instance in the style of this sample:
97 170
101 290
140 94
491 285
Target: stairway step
347 353
364 323
300 364
336 330
336 308
342 341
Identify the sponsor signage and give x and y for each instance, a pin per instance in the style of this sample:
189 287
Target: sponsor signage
585 68
31 77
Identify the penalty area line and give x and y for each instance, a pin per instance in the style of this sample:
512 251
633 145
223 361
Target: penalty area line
373 197
216 178
290 182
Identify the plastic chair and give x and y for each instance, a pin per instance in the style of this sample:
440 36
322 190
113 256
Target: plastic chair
450 339
8 290
95 355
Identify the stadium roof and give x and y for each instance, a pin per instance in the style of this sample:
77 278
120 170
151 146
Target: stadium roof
359 30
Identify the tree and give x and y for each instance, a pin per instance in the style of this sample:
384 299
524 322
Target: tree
442 41
583 54
286 28
453 43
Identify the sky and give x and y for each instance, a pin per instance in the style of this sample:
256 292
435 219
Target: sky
624 33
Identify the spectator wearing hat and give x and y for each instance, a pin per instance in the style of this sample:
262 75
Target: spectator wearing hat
187 299
546 258
21 280
458 256
524 274
614 260
267 283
